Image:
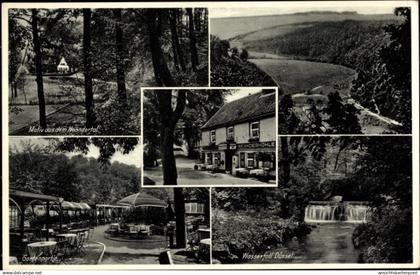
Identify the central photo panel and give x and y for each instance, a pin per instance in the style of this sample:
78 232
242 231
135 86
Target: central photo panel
209 137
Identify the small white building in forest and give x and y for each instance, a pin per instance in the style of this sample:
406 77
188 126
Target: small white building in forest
62 66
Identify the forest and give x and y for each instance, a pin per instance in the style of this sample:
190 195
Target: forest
110 54
48 169
374 169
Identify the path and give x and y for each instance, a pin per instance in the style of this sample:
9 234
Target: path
188 176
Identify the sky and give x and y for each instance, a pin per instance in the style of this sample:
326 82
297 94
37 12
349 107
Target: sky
256 11
133 158
237 94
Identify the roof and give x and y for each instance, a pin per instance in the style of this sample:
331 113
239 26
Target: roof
252 107
33 196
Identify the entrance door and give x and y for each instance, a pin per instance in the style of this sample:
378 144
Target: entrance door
228 160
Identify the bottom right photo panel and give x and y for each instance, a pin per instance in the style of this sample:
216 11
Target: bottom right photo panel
340 199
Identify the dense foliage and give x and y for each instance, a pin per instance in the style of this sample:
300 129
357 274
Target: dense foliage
350 43
252 234
42 170
386 86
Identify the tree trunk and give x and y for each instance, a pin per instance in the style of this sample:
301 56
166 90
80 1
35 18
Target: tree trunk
175 40
180 218
168 157
119 47
38 68
193 48
172 23
168 119
162 74
87 60
197 19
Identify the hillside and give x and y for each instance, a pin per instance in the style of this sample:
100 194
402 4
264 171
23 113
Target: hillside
350 43
227 28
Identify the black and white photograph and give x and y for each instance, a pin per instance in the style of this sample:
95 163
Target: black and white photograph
341 199
340 70
255 135
206 137
79 71
78 201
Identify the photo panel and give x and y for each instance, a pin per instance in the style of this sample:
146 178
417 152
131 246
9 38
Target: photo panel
340 200
89 208
209 137
79 71
339 69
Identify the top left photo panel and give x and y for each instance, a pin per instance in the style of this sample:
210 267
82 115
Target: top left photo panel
78 72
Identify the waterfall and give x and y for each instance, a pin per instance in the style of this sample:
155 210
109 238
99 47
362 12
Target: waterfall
325 211
357 213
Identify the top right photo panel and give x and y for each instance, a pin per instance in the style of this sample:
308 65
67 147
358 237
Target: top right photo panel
338 70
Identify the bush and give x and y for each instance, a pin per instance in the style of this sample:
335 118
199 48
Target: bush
387 239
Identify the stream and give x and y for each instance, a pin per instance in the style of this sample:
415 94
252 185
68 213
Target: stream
327 243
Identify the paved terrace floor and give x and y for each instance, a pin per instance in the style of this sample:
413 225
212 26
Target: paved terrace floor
188 176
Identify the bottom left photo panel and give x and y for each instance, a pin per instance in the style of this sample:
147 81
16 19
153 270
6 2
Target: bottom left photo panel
78 201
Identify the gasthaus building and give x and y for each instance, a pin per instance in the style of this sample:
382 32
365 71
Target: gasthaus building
241 137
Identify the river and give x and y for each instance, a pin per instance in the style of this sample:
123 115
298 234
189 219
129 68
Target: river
327 243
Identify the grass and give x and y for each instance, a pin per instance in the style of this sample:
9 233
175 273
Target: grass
57 90
296 76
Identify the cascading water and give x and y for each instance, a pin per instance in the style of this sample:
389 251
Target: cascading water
357 213
352 212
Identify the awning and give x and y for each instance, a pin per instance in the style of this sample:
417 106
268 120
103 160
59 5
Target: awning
84 206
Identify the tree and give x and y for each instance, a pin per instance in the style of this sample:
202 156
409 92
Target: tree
342 118
162 74
120 57
193 47
244 54
168 119
87 61
38 67
177 51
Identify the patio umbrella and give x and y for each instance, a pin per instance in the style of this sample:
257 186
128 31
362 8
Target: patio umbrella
142 199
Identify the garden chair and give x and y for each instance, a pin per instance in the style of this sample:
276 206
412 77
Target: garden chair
82 240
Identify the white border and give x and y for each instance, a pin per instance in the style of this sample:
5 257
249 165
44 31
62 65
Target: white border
250 5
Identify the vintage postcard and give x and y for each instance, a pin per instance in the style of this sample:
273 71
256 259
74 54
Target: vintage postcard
210 135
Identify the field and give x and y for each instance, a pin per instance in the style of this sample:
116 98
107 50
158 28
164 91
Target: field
227 28
296 76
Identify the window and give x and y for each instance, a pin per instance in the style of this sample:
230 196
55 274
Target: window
250 160
242 159
254 129
213 136
230 133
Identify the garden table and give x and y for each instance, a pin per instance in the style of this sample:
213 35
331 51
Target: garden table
71 238
41 248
